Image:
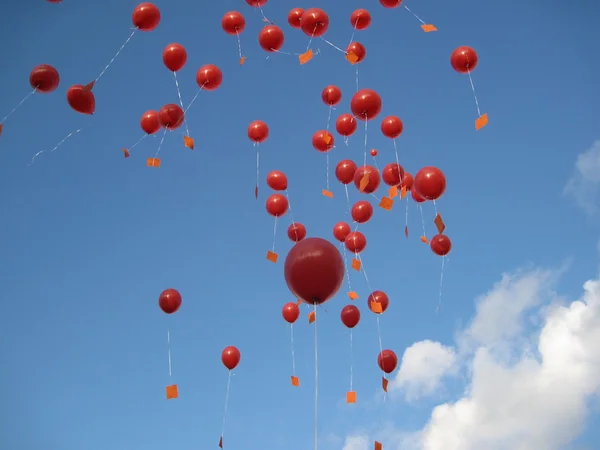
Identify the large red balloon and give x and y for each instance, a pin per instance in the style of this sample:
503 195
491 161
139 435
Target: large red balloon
314 22
392 127
277 205
209 77
294 17
440 244
331 95
355 242
387 361
174 57
346 125
149 122
350 316
360 19
290 312
374 178
341 230
296 232
416 197
233 23
378 297
44 78
256 3
366 104
169 301
323 141
277 180
464 59
345 170
373 152
358 50
361 211
430 183
171 116
271 38
392 174
314 270
258 131
231 357
146 16
390 3
81 99
407 181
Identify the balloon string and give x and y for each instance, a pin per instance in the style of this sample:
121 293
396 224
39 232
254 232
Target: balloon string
474 93
333 45
331 108
422 220
187 130
356 78
226 403
169 352
55 147
287 194
316 382
262 13
396 152
161 143
416 17
18 105
351 362
137 143
362 266
353 32
375 163
257 166
116 55
239 44
346 266
439 306
380 349
406 216
347 197
194 99
366 129
274 233
434 207
312 36
293 353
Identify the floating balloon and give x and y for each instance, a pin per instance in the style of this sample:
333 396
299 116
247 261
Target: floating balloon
373 152
209 77
464 59
277 180
341 230
390 3
315 22
355 242
44 78
346 125
81 99
366 104
392 174
358 50
392 127
360 19
294 17
362 211
277 205
290 312
146 16
331 95
169 301
415 196
171 116
378 297
407 181
231 357
314 270
350 316
256 3
387 361
345 170
296 232
430 183
323 141
174 57
374 178
440 244
258 131
149 122
233 23
271 38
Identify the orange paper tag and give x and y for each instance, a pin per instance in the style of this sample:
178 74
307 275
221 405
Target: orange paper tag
386 203
312 316
221 442
188 142
393 192
481 121
376 307
406 231
327 193
172 392
352 295
356 265
364 182
384 383
153 162
428 28
350 397
298 302
378 446
125 152
272 256
439 223
295 381
403 192
242 60
352 57
326 139
424 240
306 56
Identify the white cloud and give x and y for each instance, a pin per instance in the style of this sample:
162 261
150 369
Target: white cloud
358 442
584 184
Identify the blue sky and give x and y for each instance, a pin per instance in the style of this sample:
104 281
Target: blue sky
89 239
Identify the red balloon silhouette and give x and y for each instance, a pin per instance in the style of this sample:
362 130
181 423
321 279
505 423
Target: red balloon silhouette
323 141
169 301
209 77
277 180
346 125
231 357
373 152
174 57
294 17
407 181
378 297
361 211
149 122
271 38
171 116
358 50
350 316
366 104
387 361
430 183
345 170
256 3
146 16
416 197
258 131
290 312
355 242
277 205
392 174
392 127
341 230
233 23
44 78
360 19
81 99
314 270
440 244
331 95
464 59
296 232
390 3
314 22
374 178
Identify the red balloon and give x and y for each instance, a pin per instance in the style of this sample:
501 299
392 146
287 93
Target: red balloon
146 16
393 174
407 181
378 297
387 361
373 152
346 125
416 197
314 270
233 23
209 77
331 95
149 122
355 242
271 38
358 50
296 232
341 230
350 316
366 104
231 357
256 3
54 1
430 183
44 78
171 116
174 57
277 180
277 205
440 244
81 99
169 301
362 211
464 59
390 3
314 22
360 19
323 141
374 178
345 171
258 131
392 127
290 312
294 17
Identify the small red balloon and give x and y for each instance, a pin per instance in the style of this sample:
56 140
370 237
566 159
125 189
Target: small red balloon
277 205
209 77
392 127
331 95
392 174
378 297
407 181
294 17
169 301
296 232
149 122
174 57
374 178
44 78
277 180
416 197
430 183
360 19
314 22
171 116
346 125
271 38
361 211
345 170
146 16
341 230
256 3
387 361
233 23
373 152
366 104
81 99
290 312
464 59
440 244
323 141
350 316
355 242
230 357
357 49
390 3
258 131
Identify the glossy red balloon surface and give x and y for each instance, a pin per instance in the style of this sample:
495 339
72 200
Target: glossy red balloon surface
294 17
271 38
360 19
277 205
366 104
361 211
146 16
387 361
464 59
44 78
81 99
392 174
355 242
358 50
277 180
350 316
331 95
290 312
378 297
149 122
171 116
345 170
346 125
233 23
323 141
258 131
440 244
390 3
392 127
314 22
231 357
169 301
174 57
430 183
209 77
296 232
341 230
374 178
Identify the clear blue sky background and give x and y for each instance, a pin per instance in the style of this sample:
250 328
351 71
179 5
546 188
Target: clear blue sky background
89 239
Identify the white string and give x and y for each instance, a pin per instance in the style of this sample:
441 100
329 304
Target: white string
169 350
356 78
116 54
187 130
18 105
380 350
293 353
226 403
347 197
474 94
439 306
194 99
366 129
257 166
316 445
274 233
351 362
422 219
162 140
